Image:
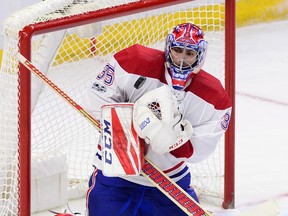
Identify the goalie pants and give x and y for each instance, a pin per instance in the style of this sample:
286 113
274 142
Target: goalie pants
113 196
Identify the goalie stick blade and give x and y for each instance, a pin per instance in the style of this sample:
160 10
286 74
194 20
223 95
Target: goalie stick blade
268 208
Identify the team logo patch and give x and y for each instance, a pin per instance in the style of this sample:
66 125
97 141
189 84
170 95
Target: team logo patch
225 121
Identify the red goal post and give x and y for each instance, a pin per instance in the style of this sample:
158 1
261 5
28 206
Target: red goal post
69 40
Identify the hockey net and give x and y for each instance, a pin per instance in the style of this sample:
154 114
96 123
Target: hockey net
70 41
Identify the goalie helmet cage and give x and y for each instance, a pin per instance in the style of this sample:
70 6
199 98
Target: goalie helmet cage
69 40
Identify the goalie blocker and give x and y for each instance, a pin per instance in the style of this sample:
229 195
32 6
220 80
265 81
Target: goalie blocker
123 150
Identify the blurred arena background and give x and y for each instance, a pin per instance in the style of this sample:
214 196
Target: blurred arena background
248 12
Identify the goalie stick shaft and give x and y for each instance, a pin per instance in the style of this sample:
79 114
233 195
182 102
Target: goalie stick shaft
44 78
159 179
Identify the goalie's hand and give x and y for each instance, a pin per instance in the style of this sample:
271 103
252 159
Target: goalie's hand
171 136
165 133
163 137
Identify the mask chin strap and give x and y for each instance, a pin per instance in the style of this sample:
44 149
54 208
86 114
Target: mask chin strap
169 79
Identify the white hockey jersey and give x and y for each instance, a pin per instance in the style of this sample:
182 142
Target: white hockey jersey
204 103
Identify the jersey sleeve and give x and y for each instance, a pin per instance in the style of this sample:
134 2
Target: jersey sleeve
208 109
115 82
205 138
105 88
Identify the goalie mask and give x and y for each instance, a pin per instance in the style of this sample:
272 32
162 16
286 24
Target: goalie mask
185 52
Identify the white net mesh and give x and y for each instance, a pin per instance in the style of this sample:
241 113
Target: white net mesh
71 57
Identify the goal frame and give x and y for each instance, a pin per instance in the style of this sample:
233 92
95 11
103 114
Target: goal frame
25 36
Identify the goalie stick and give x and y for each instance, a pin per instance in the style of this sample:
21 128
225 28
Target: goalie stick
149 170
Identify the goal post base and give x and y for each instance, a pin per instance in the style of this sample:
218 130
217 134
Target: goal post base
49 183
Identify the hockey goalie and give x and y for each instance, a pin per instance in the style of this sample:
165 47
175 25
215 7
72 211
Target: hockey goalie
160 104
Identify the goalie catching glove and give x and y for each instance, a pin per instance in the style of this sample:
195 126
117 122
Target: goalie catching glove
157 120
